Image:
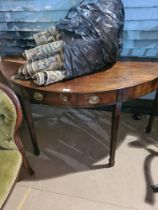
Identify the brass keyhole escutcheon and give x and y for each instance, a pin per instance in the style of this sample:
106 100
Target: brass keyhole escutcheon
65 99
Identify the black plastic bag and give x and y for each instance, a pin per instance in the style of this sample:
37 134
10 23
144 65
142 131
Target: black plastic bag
92 34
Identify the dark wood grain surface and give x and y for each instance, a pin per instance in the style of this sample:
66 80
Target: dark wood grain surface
125 80
122 75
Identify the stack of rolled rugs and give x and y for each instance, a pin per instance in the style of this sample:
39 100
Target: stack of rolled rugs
45 63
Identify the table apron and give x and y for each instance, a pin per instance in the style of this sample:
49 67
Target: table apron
72 99
91 99
137 91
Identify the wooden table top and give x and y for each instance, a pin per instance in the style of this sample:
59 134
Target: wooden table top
124 74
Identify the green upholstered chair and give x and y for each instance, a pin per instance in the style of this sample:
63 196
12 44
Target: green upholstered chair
12 153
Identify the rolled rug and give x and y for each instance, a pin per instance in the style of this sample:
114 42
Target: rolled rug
49 77
50 35
44 51
29 69
22 73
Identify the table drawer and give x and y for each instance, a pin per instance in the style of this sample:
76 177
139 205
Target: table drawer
72 99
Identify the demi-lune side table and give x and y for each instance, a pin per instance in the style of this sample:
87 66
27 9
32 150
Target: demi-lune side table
125 80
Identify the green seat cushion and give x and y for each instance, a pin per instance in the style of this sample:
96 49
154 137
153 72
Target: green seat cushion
10 163
7 122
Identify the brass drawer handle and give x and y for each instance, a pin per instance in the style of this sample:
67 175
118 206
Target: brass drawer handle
38 96
94 100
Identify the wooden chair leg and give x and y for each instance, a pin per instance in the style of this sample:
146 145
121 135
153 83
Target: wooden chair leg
12 96
28 115
22 151
153 113
114 130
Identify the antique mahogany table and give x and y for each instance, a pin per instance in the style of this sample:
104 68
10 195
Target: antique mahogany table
124 81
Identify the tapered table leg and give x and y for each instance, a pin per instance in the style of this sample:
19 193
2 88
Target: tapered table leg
114 130
28 114
153 113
